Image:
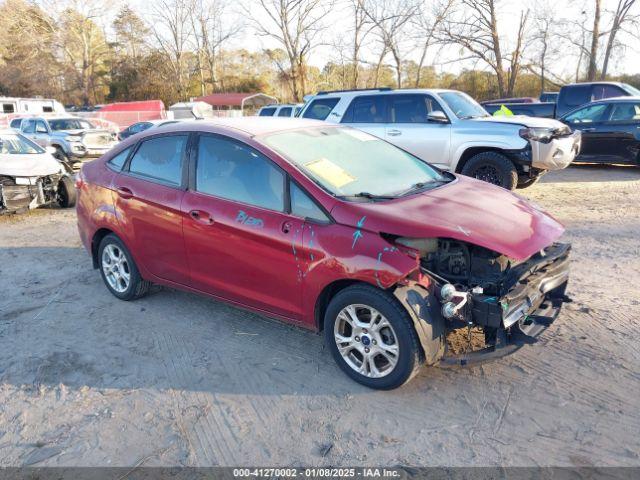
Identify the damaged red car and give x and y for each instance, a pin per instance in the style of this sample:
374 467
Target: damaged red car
328 228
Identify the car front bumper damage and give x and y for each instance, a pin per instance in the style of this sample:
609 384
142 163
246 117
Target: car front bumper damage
509 322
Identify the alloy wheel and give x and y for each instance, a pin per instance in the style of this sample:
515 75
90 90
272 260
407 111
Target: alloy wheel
116 268
366 341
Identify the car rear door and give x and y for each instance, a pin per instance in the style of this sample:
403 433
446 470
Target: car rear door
148 193
368 113
241 243
410 129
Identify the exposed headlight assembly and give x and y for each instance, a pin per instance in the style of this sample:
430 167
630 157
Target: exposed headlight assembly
421 245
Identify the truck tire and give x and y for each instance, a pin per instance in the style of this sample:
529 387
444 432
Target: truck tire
527 182
67 194
492 167
380 347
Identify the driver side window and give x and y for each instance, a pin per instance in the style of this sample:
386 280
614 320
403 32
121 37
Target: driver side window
590 114
234 171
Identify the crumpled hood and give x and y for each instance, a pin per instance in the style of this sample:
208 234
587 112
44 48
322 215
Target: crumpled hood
29 165
523 120
466 209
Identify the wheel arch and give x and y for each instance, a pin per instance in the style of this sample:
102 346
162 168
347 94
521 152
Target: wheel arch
470 152
327 293
95 243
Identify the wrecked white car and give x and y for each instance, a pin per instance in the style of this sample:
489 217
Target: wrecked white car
30 176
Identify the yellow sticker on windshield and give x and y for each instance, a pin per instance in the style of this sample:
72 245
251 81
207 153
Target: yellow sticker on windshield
329 171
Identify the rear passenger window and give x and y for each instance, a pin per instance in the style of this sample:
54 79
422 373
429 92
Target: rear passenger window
320 108
232 170
366 109
285 112
15 123
118 161
302 206
411 108
160 158
267 112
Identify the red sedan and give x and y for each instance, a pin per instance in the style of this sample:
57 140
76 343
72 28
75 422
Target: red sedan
329 228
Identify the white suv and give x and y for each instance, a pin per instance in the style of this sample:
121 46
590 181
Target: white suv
452 131
280 110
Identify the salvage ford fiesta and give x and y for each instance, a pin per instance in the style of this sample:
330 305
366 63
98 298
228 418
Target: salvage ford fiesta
329 228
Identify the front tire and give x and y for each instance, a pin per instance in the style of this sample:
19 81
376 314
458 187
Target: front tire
372 338
118 270
492 167
67 194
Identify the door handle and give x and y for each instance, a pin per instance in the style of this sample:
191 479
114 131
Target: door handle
286 227
588 129
124 192
201 217
394 133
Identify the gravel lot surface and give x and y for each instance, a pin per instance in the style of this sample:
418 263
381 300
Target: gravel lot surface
178 379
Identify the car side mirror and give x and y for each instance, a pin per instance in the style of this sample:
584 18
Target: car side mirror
437 116
50 149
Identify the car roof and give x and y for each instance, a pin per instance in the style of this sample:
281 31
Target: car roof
632 98
251 126
383 91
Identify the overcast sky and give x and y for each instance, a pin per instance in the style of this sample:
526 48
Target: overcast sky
447 58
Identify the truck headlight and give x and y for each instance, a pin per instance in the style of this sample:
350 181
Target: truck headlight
538 134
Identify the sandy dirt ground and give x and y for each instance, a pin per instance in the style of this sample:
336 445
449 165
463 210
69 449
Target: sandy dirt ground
177 379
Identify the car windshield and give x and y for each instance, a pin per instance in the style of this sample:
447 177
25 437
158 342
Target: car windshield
60 124
463 105
17 145
348 162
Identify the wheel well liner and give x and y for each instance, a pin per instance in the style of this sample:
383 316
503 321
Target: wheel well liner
325 297
471 151
95 243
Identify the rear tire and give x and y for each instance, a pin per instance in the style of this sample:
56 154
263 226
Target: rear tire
364 347
492 167
67 194
118 270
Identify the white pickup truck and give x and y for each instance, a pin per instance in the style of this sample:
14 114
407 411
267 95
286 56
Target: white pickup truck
75 139
452 131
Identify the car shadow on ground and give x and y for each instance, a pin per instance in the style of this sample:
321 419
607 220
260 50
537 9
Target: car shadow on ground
593 173
60 325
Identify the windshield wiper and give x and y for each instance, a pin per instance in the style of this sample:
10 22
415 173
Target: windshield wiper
370 196
420 186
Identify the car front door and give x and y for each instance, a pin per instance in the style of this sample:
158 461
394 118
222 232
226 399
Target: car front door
147 196
589 121
368 113
241 244
410 129
619 134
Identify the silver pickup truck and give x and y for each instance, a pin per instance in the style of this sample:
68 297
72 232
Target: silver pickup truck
452 131
75 139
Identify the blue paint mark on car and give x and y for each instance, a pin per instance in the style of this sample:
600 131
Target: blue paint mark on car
244 218
358 233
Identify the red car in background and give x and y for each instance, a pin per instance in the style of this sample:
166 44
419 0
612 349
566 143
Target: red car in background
329 228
